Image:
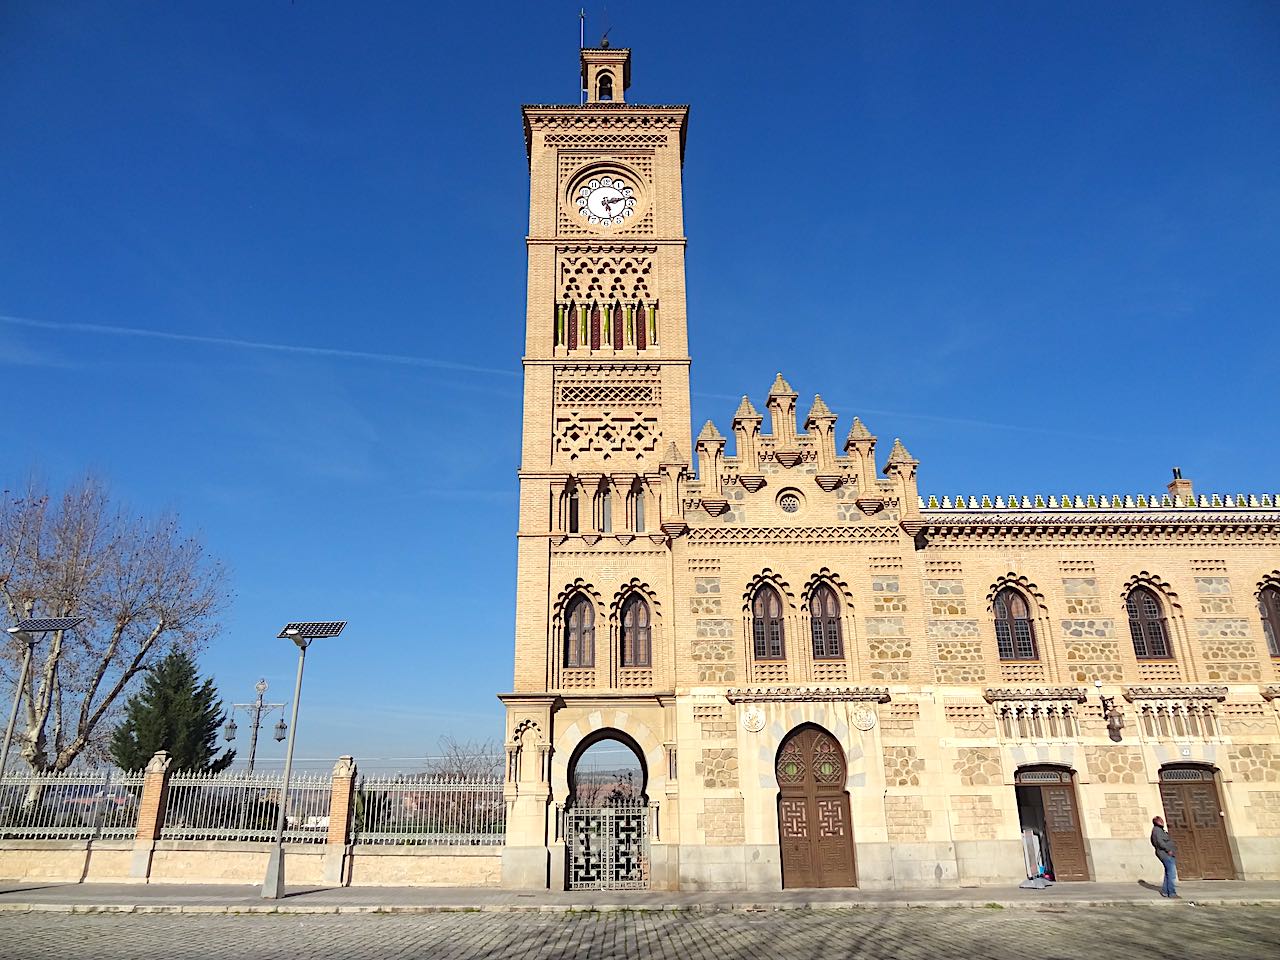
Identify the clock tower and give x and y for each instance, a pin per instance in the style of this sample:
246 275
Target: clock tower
606 434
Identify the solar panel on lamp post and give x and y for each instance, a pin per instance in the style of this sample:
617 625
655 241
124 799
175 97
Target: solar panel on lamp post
26 631
301 633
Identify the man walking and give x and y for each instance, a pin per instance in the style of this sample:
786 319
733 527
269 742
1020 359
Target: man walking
1167 853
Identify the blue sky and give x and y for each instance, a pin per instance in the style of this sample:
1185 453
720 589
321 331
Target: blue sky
262 263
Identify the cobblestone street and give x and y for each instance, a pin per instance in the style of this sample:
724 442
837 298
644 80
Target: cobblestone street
1176 930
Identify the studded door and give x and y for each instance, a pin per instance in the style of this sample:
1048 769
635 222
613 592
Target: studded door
1193 816
814 824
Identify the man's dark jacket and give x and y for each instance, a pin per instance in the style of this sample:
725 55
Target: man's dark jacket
1163 843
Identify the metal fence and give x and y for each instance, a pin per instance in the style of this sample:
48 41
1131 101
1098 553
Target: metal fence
72 804
245 806
430 810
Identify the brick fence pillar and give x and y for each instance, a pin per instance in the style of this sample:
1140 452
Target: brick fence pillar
155 785
337 850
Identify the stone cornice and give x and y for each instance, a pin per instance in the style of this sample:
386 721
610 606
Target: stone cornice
994 694
1189 692
1165 523
792 694
604 118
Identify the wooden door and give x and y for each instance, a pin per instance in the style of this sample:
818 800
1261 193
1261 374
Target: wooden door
814 824
1062 830
1193 816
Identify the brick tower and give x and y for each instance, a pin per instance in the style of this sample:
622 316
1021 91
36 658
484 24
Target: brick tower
606 420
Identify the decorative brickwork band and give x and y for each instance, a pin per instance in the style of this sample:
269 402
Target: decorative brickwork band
1176 693
991 695
786 694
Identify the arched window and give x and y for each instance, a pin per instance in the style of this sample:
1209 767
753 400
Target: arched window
606 511
636 648
766 624
573 510
579 633
637 500
1015 635
606 87
1269 607
824 622
1146 625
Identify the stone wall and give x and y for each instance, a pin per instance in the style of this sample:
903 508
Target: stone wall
976 817
907 819
1124 815
722 820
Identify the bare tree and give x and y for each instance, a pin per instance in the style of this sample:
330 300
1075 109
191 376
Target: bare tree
142 586
466 759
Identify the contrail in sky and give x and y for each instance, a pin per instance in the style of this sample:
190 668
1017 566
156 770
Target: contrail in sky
396 358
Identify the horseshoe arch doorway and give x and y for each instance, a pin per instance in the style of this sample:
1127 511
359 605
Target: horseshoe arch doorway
815 828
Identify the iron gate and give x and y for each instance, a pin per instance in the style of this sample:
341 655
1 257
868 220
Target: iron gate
608 847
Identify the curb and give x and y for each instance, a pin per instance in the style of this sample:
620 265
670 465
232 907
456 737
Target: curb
695 908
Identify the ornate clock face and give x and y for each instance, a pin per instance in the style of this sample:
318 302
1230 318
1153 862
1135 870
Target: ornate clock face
606 201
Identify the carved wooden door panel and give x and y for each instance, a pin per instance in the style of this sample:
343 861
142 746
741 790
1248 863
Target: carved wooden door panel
814 822
1193 816
1062 825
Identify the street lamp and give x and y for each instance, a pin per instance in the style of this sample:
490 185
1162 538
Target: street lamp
301 634
26 631
1113 714
257 710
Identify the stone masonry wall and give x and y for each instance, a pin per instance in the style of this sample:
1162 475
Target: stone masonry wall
722 820
1124 815
907 819
1115 764
976 818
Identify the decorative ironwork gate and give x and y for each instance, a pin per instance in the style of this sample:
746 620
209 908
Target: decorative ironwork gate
608 847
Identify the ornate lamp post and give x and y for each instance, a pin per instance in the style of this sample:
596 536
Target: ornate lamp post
301 634
257 710
26 631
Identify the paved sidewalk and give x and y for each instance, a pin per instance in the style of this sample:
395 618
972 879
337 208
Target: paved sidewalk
200 898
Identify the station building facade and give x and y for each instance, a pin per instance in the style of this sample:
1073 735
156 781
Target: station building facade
828 677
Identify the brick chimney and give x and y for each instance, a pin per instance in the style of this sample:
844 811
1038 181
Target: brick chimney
1180 489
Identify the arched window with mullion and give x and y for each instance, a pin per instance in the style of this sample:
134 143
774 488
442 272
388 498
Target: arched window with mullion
1015 634
766 624
579 633
1146 625
635 638
1269 607
824 623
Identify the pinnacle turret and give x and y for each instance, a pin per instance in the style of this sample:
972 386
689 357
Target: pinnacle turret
746 411
899 454
859 431
781 388
709 432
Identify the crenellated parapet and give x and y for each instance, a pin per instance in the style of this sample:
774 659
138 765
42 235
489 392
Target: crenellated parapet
789 454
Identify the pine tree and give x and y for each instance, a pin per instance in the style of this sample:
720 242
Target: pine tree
174 711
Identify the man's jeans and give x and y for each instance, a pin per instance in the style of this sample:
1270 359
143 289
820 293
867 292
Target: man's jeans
1167 889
